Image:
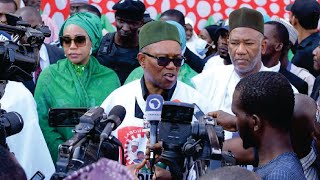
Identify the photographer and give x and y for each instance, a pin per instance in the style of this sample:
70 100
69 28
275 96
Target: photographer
6 6
161 59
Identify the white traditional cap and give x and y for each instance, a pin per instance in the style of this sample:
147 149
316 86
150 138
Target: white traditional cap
134 143
293 33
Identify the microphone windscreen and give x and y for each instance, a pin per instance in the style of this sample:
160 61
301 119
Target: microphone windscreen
119 111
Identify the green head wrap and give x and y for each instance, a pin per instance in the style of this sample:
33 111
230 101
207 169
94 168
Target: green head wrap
156 31
90 23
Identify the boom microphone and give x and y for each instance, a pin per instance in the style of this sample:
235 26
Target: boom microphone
114 119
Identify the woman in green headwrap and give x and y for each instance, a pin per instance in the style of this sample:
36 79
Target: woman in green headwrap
76 81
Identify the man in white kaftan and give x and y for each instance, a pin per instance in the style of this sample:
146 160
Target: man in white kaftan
28 146
246 43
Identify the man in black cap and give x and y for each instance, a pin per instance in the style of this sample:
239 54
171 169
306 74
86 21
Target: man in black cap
304 18
118 50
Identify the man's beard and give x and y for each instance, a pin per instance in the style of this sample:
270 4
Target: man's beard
253 64
226 58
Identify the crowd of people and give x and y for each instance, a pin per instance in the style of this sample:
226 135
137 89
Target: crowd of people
258 77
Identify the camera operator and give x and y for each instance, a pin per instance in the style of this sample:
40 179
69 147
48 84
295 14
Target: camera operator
263 105
161 59
28 146
49 54
301 132
6 6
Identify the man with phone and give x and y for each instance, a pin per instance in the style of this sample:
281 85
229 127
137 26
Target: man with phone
161 59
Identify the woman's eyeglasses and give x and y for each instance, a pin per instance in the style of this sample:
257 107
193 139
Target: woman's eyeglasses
164 61
78 40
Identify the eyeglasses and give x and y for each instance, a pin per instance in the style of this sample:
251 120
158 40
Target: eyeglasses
165 61
78 40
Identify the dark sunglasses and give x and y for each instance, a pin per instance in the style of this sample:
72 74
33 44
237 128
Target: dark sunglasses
164 61
79 41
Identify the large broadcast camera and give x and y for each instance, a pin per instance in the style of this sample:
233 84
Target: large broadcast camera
20 55
196 146
91 141
18 59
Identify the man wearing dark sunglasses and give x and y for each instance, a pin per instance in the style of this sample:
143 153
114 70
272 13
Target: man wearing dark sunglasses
118 50
161 59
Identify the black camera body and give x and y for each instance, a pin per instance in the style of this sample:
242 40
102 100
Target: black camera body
85 147
187 144
18 59
20 55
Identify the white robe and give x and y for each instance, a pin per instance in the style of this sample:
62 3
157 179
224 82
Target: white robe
217 85
304 75
29 146
213 62
131 127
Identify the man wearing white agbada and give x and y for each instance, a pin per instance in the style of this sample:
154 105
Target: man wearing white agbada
28 146
160 57
246 42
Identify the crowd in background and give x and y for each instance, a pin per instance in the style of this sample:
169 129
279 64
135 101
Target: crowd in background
258 76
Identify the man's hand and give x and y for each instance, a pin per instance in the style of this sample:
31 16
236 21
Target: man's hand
226 120
161 174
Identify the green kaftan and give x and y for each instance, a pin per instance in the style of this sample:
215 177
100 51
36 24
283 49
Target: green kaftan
59 86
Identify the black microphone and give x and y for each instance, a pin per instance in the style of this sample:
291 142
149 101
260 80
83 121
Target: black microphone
114 119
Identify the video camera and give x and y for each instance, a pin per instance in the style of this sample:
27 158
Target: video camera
91 141
186 145
18 59
20 55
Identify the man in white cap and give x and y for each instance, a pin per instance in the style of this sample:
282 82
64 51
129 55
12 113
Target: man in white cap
134 150
285 63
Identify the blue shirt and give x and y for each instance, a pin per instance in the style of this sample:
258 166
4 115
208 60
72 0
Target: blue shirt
284 167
